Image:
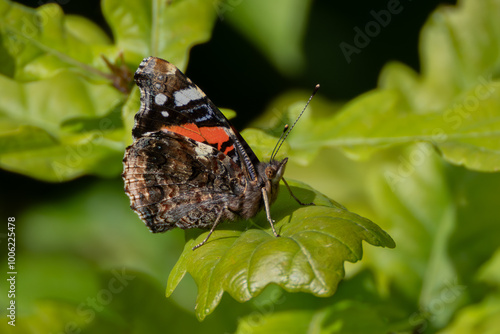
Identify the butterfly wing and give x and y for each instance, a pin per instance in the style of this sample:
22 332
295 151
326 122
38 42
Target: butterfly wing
173 181
171 102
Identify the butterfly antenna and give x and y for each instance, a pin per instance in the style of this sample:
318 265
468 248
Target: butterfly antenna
287 129
282 135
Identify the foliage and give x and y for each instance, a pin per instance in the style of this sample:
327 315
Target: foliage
419 155
48 54
309 255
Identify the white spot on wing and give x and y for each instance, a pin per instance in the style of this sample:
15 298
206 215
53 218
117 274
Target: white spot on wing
203 118
160 99
164 113
183 97
171 69
203 150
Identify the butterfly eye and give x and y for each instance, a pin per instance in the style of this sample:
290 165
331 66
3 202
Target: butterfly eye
270 172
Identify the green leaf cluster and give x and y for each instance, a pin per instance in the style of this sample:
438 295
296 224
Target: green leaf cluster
308 256
419 155
66 85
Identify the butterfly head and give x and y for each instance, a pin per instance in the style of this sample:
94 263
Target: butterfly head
272 172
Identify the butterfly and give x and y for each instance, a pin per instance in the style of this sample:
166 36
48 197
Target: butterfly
188 167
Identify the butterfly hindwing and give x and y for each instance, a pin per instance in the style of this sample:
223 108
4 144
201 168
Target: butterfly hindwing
174 181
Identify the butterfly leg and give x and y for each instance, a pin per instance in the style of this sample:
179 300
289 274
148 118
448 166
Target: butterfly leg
268 211
217 221
291 193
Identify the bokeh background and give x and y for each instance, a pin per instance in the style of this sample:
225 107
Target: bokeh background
86 263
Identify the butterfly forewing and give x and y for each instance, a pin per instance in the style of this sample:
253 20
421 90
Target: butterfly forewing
172 102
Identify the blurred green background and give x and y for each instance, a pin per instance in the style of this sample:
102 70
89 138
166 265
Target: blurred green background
86 263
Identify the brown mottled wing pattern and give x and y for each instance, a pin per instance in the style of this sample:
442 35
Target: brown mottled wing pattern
174 181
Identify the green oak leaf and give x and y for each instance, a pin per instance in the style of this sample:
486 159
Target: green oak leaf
36 139
308 257
165 29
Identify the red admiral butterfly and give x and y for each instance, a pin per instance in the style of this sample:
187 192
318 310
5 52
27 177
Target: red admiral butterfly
188 167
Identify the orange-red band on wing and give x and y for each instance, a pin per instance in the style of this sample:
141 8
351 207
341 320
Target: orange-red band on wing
210 135
189 130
